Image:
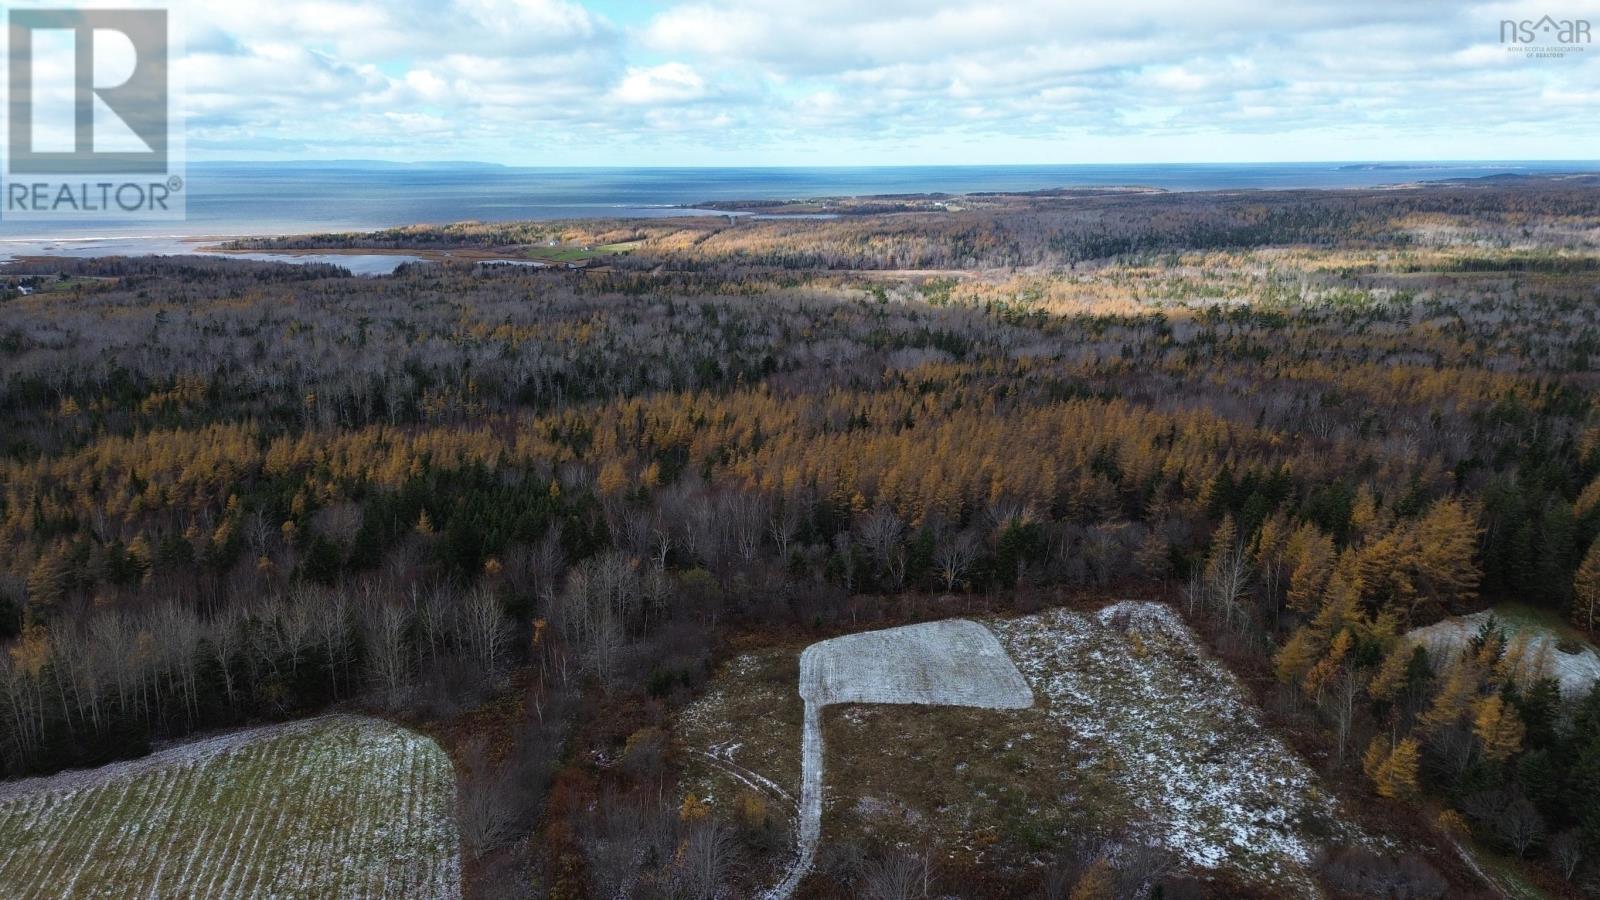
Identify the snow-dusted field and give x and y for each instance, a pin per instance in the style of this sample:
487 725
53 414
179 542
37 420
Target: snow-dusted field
1577 672
339 806
949 663
1174 730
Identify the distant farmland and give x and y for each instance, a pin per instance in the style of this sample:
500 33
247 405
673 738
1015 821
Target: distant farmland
336 806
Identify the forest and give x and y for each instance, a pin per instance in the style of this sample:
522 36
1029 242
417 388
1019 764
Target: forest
532 509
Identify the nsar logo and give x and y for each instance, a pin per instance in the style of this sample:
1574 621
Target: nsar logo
1547 37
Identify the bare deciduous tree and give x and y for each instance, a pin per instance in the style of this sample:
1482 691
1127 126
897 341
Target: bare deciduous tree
783 527
225 641
709 856
1566 852
954 555
614 839
486 800
384 632
898 876
880 532
330 624
1520 825
1227 584
485 631
1341 702
745 516
177 636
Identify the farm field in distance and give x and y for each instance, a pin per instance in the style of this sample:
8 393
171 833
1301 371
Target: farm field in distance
328 807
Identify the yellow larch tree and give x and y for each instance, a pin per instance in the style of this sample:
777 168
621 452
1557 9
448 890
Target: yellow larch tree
1454 698
1313 555
1392 770
1391 674
1446 541
1498 728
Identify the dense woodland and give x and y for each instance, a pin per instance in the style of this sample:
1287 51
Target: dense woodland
536 505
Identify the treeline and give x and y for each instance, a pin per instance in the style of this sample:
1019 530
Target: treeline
459 234
102 685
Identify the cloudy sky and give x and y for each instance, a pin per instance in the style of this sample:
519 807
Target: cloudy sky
824 82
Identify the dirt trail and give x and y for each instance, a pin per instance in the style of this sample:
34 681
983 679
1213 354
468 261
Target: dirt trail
949 663
810 803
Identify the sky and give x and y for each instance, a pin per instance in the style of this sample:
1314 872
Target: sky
876 82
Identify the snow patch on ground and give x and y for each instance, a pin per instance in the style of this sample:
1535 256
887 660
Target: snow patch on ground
1577 672
1174 729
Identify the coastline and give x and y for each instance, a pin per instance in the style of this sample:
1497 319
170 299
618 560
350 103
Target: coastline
312 205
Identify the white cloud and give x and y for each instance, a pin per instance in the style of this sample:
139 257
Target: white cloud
667 83
886 81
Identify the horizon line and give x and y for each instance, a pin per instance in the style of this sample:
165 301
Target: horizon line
1276 162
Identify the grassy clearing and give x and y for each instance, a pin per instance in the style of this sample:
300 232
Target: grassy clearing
998 788
338 806
63 285
748 721
567 253
741 741
556 254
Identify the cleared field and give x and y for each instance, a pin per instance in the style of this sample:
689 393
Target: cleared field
1134 732
567 253
338 806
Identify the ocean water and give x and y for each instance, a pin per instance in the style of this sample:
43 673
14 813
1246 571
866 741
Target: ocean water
229 199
